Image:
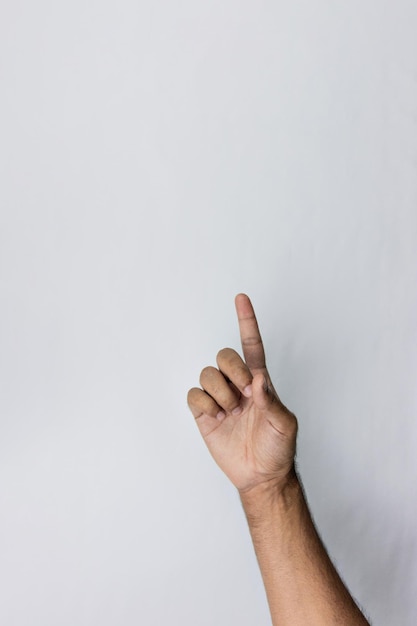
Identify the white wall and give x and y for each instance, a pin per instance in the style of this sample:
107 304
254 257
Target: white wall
156 159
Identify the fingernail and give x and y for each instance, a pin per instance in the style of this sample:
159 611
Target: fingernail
221 415
237 410
248 391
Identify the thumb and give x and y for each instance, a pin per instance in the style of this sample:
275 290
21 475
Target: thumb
265 398
263 394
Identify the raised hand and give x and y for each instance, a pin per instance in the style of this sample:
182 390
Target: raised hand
248 430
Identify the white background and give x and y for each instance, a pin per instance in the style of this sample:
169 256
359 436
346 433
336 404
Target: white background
157 158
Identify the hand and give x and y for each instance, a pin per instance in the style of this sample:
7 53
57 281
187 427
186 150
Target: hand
248 430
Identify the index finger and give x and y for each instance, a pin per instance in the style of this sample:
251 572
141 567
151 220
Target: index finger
253 349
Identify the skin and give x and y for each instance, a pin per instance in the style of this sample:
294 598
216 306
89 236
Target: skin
252 436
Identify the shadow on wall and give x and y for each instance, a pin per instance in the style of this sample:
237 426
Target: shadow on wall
350 468
373 545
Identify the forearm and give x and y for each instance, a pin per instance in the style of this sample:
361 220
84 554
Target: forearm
301 583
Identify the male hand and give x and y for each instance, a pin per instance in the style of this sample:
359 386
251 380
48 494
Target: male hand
248 430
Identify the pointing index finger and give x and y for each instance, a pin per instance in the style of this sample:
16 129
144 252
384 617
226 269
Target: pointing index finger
250 336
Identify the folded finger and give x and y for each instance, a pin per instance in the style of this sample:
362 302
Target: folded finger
200 403
215 384
232 365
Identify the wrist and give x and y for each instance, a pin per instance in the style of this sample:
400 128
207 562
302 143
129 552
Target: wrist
280 493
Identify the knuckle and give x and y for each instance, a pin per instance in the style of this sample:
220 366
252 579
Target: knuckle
295 423
192 392
207 373
192 395
225 355
251 341
292 423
